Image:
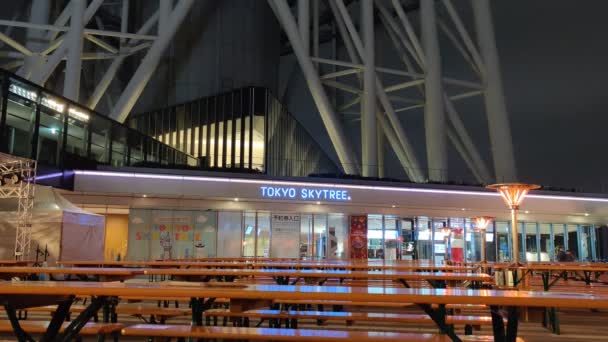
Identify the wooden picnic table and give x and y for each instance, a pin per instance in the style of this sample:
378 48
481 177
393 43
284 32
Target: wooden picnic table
82 273
277 264
16 262
552 273
283 276
19 294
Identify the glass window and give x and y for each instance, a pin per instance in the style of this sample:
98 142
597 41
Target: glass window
320 236
392 243
20 120
249 234
585 243
531 247
119 146
375 245
424 247
229 234
264 236
305 236
559 241
503 241
100 138
546 246
258 142
572 253
50 135
337 233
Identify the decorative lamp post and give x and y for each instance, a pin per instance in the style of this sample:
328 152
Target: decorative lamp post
482 223
514 194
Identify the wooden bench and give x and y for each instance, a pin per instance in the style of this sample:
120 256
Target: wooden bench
39 327
155 313
299 335
349 317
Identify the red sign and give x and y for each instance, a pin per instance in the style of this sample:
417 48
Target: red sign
358 237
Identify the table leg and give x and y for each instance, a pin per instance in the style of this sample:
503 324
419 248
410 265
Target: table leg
62 312
72 330
498 325
21 335
199 306
438 316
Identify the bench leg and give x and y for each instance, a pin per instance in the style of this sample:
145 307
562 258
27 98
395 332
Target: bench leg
468 329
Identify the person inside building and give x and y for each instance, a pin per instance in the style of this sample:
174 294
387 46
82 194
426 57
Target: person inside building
561 255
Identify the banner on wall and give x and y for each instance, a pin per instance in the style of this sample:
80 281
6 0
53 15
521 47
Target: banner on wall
358 237
285 236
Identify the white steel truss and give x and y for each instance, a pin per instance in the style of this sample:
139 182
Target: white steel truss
421 71
17 182
50 43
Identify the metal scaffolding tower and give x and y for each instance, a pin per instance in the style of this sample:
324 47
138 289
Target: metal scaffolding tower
17 177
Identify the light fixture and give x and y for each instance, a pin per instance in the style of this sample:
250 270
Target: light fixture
527 212
463 209
513 194
236 199
144 195
482 223
393 206
53 130
318 202
586 214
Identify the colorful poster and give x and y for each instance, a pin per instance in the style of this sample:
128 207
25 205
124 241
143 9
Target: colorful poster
358 237
171 234
457 245
285 236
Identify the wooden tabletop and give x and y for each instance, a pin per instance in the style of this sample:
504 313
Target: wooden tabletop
329 264
9 289
294 273
19 270
591 267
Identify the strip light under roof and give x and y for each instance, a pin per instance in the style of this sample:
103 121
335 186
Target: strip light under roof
326 185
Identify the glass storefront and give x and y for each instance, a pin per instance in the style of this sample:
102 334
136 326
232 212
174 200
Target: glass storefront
161 234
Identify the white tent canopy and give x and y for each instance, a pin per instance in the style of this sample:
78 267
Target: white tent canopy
57 224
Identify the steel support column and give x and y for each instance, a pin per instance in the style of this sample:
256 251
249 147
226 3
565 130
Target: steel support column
369 158
111 71
496 109
304 23
145 70
71 84
36 39
434 118
331 122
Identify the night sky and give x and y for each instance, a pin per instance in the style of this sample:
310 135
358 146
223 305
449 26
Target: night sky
554 65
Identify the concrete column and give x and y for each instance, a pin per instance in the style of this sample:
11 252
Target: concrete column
434 117
496 109
369 158
73 41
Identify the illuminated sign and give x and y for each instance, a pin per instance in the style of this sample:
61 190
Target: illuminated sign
306 194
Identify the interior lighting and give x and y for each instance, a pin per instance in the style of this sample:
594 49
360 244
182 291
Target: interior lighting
514 194
318 203
236 199
482 223
78 114
144 195
28 94
54 105
586 214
